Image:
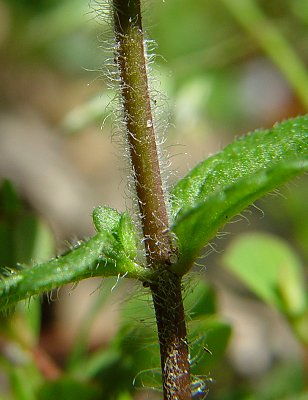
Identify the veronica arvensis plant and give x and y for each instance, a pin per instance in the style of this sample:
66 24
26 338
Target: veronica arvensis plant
176 225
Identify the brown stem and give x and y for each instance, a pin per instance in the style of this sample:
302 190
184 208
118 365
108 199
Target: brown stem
166 288
170 319
141 136
45 364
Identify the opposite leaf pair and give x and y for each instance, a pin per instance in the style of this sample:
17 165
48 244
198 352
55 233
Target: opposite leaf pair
201 204
222 186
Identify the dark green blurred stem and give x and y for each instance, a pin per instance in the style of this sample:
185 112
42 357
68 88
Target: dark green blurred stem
166 290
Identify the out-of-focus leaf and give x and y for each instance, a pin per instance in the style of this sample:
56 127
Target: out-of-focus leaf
286 381
101 360
31 312
211 340
10 210
94 110
199 299
24 237
23 385
33 239
271 269
79 353
69 389
125 396
250 15
10 203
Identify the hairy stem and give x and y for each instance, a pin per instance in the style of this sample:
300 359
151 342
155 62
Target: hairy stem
141 138
170 319
166 288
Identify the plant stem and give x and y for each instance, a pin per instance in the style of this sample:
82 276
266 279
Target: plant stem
139 124
166 289
171 326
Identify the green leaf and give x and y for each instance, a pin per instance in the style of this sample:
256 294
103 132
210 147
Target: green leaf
120 225
23 236
106 219
199 225
22 374
286 380
270 268
223 185
242 158
199 299
127 236
213 337
125 396
101 255
22 383
111 252
32 239
271 40
69 389
10 203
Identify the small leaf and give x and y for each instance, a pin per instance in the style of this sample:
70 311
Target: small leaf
106 219
120 225
198 225
269 267
127 236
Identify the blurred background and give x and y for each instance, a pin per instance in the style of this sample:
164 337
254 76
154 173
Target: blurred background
220 69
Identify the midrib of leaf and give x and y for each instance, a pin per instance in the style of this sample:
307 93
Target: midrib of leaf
244 157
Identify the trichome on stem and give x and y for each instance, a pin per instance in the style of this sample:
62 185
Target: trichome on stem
137 113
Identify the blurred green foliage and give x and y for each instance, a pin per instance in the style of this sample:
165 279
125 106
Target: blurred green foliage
199 42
